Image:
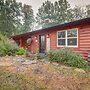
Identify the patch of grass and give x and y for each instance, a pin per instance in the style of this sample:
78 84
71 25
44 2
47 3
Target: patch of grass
15 81
51 77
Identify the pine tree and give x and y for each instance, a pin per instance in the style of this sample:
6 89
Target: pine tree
50 14
88 10
9 16
78 13
45 14
63 11
28 18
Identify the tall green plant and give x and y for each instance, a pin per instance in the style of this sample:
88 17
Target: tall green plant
67 57
7 46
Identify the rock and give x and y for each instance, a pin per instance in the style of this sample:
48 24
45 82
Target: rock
65 67
19 59
79 70
56 64
27 62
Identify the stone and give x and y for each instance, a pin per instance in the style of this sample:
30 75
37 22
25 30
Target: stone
27 62
56 64
19 59
65 67
79 70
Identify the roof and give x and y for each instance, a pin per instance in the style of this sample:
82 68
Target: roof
85 20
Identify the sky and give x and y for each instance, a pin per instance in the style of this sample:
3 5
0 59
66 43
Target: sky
37 3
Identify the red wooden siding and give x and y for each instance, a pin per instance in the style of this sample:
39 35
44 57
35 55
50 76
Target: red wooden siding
83 38
84 41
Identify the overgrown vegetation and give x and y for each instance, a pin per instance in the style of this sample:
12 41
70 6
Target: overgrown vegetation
9 47
68 57
40 76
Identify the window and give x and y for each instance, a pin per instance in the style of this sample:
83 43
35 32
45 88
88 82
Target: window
61 38
68 38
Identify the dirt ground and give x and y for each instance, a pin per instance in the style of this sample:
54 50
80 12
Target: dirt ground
40 75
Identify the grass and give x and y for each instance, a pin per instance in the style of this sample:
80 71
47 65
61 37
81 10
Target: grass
16 81
42 76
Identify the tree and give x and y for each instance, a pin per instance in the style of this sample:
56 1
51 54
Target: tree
28 18
88 10
45 14
50 14
63 11
78 13
9 16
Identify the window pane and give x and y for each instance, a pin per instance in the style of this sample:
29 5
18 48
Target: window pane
61 41
61 34
72 33
72 41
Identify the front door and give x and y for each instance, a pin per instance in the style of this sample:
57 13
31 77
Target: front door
42 43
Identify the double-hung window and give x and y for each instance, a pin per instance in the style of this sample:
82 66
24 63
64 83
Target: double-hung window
67 38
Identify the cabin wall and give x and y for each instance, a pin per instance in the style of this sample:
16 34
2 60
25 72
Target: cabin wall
83 40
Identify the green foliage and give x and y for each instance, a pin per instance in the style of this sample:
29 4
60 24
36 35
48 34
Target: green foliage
67 57
88 10
78 13
9 16
28 18
21 51
12 14
45 14
7 46
50 14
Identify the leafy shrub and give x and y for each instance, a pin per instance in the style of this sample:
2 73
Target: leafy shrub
67 57
7 46
21 51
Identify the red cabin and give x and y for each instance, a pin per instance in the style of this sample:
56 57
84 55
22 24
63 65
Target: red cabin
74 35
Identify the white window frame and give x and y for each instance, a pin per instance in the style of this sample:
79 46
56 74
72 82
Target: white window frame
66 38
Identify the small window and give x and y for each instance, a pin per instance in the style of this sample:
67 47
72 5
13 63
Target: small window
61 38
68 38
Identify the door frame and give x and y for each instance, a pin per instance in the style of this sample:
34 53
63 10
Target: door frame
40 43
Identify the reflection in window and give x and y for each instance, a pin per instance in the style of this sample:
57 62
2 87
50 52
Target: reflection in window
72 41
72 33
61 34
61 41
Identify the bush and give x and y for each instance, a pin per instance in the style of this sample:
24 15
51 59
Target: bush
7 46
67 57
21 51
